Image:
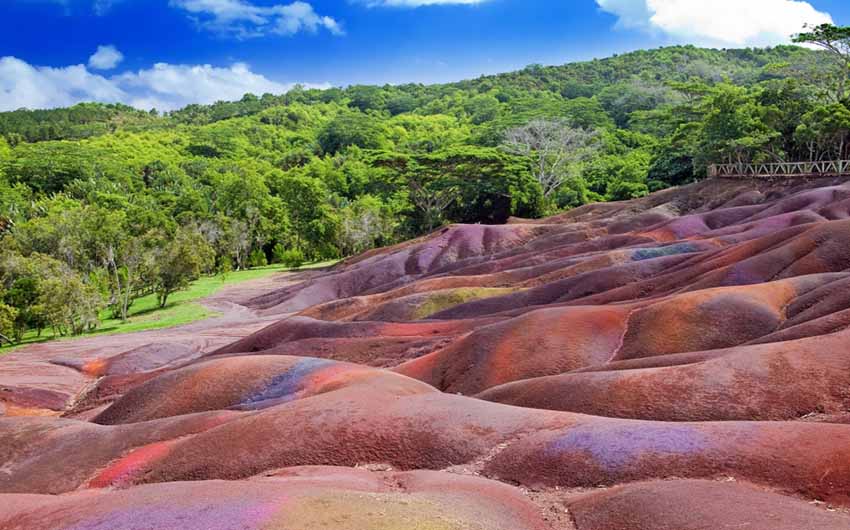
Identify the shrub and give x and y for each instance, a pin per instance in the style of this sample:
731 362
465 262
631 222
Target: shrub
257 258
225 266
292 258
7 322
278 253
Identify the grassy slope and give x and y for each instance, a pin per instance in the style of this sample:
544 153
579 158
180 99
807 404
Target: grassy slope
182 308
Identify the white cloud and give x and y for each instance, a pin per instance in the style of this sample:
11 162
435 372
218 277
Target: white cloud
163 86
105 58
22 85
718 22
630 13
167 86
98 7
242 20
103 7
417 3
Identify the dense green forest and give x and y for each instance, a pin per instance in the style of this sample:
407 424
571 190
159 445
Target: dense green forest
101 204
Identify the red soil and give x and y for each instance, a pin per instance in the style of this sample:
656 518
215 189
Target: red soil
698 505
686 351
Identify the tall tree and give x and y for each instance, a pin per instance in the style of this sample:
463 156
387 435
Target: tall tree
8 315
836 41
826 132
734 129
181 259
555 148
432 203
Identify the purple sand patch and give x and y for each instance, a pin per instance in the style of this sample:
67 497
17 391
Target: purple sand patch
743 273
669 250
210 515
283 387
687 226
617 446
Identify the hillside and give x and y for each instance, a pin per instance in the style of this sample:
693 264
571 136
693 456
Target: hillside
584 79
673 361
123 203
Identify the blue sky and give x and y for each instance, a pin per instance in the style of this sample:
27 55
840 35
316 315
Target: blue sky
166 53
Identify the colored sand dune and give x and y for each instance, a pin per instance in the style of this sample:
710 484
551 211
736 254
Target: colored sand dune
673 362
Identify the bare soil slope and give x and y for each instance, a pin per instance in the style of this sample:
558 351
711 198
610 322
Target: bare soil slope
679 362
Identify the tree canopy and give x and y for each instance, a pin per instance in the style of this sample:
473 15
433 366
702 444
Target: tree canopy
101 204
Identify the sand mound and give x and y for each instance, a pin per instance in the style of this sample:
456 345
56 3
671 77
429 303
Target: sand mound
686 352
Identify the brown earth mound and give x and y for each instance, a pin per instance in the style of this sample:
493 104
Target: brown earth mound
698 505
686 352
301 498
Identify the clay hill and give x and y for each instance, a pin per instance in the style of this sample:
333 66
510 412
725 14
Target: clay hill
677 362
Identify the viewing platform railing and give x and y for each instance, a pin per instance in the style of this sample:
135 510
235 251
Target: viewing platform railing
826 168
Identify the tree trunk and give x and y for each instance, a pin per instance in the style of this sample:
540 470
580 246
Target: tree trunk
125 302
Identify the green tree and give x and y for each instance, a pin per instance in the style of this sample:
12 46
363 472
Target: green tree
180 260
5 150
23 294
836 41
8 316
734 129
621 100
48 293
132 263
314 224
825 132
258 258
365 98
487 184
225 267
347 129
482 108
365 224
401 104
71 305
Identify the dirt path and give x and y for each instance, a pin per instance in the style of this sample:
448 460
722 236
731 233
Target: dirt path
41 379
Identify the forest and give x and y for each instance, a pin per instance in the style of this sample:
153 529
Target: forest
101 204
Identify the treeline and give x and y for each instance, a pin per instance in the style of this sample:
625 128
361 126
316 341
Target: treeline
80 121
121 203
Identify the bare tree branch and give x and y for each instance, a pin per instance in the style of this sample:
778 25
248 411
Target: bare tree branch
555 148
432 203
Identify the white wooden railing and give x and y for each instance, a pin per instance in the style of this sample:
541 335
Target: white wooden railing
826 168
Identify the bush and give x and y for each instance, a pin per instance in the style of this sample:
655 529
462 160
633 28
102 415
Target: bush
225 266
257 258
292 258
623 190
71 305
7 322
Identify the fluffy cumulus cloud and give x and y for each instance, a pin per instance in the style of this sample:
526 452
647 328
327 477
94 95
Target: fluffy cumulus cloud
105 58
243 20
23 85
163 86
169 86
718 22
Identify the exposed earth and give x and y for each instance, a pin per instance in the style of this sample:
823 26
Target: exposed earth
677 362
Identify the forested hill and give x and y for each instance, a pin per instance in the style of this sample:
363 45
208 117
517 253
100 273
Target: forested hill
602 78
127 202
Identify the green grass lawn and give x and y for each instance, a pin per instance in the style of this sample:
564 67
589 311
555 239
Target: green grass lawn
182 308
